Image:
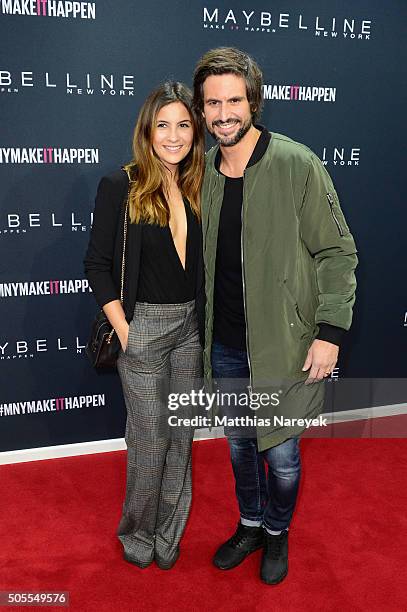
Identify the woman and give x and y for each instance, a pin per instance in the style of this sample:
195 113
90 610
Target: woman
160 324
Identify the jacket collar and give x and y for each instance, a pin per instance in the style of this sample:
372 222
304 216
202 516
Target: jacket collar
258 151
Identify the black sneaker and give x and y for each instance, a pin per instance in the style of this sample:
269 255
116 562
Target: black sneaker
274 563
243 542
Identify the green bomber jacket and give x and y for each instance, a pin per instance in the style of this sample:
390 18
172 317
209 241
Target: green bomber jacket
298 269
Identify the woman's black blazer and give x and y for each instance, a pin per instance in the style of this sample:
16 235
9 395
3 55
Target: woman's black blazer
103 257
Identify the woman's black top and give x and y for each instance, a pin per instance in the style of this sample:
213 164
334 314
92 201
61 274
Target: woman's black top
103 259
162 278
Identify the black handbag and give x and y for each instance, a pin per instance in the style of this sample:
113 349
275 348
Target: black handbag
103 345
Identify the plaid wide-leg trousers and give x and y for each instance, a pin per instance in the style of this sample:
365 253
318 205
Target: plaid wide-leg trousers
163 355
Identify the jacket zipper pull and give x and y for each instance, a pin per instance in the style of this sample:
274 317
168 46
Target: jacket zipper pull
335 218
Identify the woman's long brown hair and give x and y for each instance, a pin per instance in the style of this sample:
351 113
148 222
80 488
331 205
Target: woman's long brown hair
148 202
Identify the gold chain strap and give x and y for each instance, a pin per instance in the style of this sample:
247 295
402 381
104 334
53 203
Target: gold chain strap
109 338
124 238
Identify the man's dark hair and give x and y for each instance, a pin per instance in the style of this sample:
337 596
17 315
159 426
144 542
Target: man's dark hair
228 60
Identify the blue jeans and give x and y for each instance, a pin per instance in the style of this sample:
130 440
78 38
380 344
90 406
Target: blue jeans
264 499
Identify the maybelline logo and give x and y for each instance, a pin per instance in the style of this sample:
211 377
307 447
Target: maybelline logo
300 93
85 84
35 347
49 8
48 287
53 404
15 223
267 22
48 155
340 156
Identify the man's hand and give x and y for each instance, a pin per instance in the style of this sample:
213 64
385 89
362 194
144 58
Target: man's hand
322 357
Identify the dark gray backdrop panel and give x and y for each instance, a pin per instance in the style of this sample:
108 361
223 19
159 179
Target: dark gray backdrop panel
150 42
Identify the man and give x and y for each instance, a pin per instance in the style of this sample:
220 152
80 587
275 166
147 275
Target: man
280 287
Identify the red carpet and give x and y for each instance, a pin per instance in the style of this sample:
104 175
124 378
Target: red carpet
347 539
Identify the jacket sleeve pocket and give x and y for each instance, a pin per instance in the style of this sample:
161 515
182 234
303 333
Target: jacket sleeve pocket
324 231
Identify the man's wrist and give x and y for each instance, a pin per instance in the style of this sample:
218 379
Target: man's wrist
330 333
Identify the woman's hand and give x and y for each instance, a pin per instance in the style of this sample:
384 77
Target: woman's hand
115 314
123 335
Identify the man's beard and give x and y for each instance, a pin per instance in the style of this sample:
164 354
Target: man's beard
230 141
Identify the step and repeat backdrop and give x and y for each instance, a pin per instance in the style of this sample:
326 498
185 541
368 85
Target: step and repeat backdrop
73 76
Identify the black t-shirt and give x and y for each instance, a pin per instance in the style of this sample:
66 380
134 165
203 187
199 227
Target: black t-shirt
162 278
229 325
